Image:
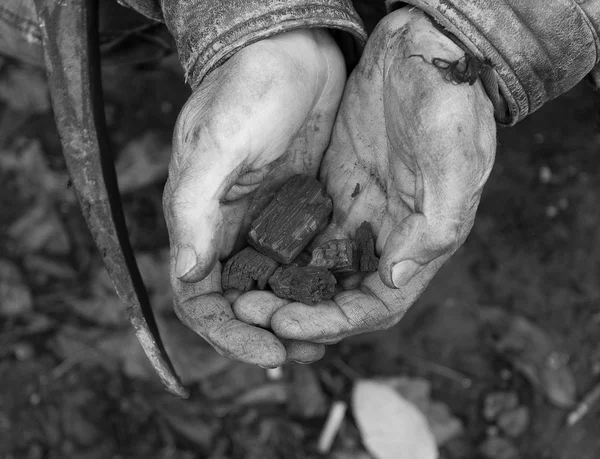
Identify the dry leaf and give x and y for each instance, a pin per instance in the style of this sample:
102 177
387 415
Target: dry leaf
24 88
15 296
443 424
498 448
104 307
391 427
40 229
143 161
532 351
193 358
190 420
40 191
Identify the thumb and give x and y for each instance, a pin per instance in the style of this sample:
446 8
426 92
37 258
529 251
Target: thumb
202 174
415 243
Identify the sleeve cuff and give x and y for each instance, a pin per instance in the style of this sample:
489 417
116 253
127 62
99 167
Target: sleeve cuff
537 49
209 32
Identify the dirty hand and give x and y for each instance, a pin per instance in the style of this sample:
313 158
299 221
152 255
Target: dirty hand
420 147
263 116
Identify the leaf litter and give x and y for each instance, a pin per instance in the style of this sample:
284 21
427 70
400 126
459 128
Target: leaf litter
78 385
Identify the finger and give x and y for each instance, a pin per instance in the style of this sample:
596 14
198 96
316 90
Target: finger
450 155
373 307
257 307
201 307
201 173
228 135
303 352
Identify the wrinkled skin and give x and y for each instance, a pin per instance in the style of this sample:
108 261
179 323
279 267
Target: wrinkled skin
419 146
421 149
263 116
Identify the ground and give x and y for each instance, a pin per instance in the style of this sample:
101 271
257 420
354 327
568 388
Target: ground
75 383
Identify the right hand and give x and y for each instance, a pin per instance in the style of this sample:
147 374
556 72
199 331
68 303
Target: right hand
264 115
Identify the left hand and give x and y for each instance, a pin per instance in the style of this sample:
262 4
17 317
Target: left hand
421 148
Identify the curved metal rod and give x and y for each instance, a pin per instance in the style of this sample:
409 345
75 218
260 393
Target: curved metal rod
70 39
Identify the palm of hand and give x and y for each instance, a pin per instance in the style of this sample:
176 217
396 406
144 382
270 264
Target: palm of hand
418 149
265 115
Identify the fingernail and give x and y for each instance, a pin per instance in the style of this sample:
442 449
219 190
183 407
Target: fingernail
403 272
186 260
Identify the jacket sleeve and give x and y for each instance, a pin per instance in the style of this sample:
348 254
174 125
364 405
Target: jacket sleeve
208 32
538 49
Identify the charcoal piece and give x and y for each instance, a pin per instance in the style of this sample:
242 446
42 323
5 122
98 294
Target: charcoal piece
365 241
303 259
247 270
308 284
298 213
340 256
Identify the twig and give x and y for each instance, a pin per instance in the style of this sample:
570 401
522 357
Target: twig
441 370
336 416
584 406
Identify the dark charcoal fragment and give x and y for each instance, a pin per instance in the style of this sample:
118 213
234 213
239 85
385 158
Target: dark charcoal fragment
340 256
297 214
309 284
365 240
248 269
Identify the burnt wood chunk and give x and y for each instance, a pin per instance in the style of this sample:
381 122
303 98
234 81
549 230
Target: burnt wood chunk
340 256
298 213
303 259
365 240
308 284
247 270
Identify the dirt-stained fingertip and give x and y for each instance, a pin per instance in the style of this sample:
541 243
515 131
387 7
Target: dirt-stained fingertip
197 271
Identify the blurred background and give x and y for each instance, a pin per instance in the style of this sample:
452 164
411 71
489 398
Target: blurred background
492 359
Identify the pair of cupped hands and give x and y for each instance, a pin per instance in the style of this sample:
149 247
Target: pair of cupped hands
420 147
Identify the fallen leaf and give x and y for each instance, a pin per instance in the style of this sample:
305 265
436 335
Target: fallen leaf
24 88
498 448
193 358
103 306
270 393
391 427
27 163
443 424
190 420
515 422
15 296
143 161
496 403
39 191
532 352
43 268
40 229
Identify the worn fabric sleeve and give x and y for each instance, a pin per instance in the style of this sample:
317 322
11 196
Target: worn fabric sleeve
538 49
208 32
